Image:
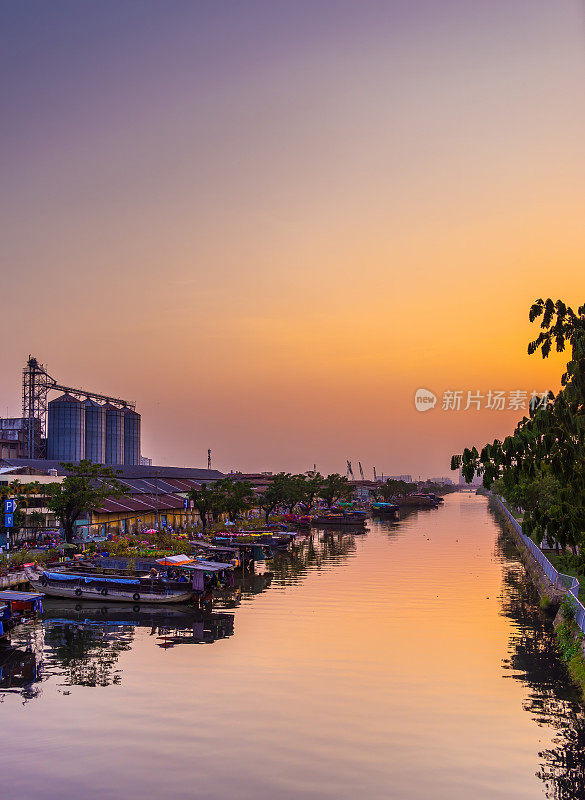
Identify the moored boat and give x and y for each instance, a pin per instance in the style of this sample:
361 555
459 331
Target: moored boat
17 606
340 516
418 500
299 520
386 509
109 588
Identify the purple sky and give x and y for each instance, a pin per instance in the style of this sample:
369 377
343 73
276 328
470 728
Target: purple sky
269 223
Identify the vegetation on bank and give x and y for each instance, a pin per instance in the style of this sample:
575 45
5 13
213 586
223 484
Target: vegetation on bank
540 467
570 642
285 492
24 493
16 559
86 486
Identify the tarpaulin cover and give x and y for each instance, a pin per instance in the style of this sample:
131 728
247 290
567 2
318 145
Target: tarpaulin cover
103 579
60 576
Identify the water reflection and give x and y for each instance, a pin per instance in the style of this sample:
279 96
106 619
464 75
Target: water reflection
552 700
337 650
20 669
313 551
80 643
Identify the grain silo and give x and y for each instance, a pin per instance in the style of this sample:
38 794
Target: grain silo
131 437
114 434
95 431
66 430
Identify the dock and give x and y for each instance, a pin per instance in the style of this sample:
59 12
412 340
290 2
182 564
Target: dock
14 580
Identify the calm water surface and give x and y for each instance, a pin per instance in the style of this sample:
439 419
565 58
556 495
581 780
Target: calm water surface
408 663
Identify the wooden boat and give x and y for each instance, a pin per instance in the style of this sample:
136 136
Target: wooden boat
17 606
436 497
340 516
386 509
109 588
418 500
298 520
222 555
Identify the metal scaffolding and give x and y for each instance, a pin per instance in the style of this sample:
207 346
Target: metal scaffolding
36 385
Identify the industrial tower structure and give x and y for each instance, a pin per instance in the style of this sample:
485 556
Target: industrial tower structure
36 385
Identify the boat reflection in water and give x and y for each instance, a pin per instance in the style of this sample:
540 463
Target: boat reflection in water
117 624
20 670
80 643
205 629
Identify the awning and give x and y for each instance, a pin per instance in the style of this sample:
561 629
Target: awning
175 561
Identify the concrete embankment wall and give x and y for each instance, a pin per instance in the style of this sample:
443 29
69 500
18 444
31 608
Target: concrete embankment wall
549 586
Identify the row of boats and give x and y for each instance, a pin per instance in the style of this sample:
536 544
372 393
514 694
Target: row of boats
168 580
344 516
180 579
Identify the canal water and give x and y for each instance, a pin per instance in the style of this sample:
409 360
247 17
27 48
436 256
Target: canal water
406 663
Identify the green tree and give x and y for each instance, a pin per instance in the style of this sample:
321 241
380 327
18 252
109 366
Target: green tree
393 488
550 442
335 488
36 519
85 487
312 489
237 497
270 499
204 500
293 490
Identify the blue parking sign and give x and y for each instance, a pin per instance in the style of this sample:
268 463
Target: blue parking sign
8 520
10 506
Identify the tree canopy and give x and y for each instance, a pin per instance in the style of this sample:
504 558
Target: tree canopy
85 487
392 488
335 489
204 500
542 463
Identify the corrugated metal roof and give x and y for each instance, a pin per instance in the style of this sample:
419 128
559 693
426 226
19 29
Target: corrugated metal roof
130 471
158 485
140 503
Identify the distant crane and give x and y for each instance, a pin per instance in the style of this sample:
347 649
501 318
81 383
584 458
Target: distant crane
350 471
361 470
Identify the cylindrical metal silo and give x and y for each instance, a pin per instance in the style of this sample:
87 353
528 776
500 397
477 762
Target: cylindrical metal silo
95 431
131 437
66 434
114 434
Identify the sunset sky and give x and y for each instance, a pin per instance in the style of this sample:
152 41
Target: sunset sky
269 222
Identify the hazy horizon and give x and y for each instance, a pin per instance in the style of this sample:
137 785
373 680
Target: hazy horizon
269 223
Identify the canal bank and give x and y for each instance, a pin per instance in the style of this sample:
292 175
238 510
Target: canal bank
406 664
558 595
547 586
